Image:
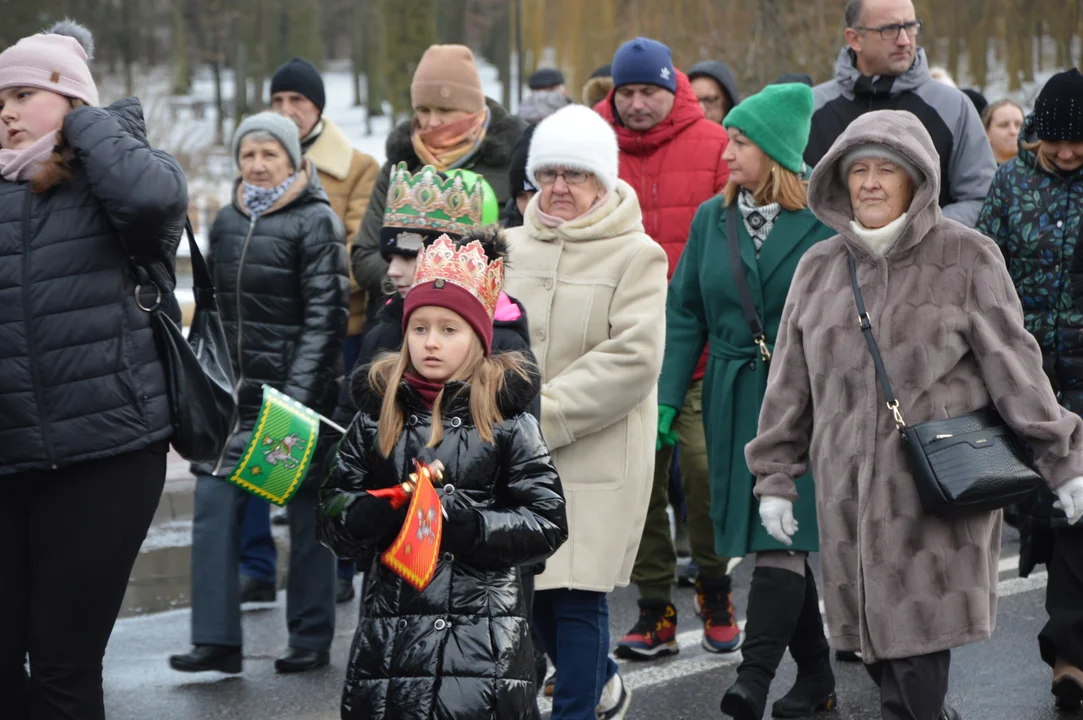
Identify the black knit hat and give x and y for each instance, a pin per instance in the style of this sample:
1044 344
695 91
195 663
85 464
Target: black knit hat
602 71
517 177
1058 111
300 76
545 78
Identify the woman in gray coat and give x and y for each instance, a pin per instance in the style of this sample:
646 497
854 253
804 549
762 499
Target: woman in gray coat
901 586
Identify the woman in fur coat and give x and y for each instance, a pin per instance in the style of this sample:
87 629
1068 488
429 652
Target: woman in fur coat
901 586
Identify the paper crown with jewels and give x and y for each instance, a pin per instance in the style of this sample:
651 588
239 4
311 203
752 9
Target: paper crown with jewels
430 204
468 266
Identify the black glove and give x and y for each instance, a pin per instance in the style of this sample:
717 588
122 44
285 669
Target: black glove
372 519
462 530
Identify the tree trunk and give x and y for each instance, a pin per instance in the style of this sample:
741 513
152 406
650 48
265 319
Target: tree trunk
182 70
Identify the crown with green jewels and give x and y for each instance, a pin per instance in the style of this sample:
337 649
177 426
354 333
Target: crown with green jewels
424 201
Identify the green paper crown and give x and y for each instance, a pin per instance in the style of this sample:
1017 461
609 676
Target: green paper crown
426 202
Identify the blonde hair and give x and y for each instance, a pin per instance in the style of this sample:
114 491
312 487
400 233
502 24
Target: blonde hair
777 184
1040 158
991 108
55 170
485 378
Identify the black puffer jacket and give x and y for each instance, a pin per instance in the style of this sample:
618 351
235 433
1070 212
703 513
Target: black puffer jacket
80 376
461 648
491 161
283 292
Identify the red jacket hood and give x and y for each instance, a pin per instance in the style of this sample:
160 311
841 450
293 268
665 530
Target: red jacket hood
686 110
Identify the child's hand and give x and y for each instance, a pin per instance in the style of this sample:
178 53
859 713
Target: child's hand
372 518
462 529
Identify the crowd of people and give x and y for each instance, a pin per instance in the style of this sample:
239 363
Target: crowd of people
594 316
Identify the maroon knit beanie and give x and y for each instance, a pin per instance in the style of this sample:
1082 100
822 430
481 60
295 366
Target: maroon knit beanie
455 298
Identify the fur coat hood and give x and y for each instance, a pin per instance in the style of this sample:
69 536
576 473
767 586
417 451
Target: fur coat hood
902 132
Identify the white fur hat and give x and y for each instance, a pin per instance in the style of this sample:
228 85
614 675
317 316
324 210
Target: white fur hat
576 138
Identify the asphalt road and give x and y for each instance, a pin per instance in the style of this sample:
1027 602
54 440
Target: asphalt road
1001 679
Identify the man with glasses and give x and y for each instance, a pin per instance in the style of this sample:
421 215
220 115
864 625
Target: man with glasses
672 156
715 88
883 68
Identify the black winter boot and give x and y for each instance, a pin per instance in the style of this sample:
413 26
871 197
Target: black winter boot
774 606
814 690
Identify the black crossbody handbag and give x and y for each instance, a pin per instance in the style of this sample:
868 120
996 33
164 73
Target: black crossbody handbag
744 292
966 464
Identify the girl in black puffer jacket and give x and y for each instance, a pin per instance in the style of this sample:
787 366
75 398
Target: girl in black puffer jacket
460 647
84 416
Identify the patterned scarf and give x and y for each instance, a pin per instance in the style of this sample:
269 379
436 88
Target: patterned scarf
758 220
447 146
258 200
20 165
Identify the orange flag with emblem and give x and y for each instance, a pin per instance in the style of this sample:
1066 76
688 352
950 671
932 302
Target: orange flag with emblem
414 553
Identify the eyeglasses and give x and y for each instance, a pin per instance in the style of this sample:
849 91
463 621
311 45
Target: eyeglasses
891 32
571 177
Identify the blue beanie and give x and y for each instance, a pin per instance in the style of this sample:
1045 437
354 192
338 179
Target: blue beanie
644 61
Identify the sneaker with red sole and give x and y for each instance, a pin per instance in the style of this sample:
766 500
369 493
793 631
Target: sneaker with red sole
654 634
714 604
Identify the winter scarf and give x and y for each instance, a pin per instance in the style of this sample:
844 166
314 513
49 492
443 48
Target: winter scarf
448 145
758 219
426 389
552 221
22 165
258 200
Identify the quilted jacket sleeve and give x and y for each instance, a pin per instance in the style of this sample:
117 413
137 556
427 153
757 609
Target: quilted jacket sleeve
325 287
368 265
529 521
779 452
1075 275
609 380
992 220
143 191
686 323
344 484
1011 366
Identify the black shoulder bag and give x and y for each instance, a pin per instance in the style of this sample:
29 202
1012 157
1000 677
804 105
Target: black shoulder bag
967 464
199 375
744 292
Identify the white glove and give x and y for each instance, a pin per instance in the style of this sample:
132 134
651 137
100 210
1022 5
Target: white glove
777 516
1071 499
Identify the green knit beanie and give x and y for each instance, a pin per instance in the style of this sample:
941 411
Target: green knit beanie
778 120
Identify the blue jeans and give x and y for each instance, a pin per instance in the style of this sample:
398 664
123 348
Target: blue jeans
574 627
259 556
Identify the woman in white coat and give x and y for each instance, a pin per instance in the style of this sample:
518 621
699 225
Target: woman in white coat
594 286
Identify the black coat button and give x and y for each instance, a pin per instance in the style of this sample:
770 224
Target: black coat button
402 624
448 557
456 422
449 489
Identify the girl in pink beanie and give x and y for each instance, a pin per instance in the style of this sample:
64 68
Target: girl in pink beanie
86 208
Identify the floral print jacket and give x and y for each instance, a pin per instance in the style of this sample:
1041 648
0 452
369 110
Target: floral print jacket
1036 218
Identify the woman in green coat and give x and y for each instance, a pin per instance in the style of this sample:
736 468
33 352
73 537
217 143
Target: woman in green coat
766 206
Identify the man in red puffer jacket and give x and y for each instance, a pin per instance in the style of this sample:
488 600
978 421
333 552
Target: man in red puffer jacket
672 155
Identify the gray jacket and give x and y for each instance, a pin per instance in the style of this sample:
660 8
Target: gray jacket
965 157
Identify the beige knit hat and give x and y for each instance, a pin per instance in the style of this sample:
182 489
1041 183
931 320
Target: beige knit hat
447 77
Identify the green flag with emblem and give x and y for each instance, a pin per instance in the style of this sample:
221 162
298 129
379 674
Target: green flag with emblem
278 455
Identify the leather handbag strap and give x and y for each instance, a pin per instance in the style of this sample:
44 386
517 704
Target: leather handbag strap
740 281
874 349
201 274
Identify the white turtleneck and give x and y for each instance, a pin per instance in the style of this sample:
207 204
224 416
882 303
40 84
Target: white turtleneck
880 240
